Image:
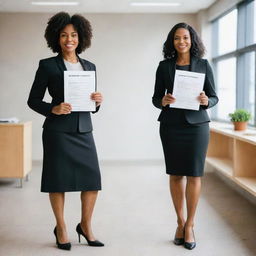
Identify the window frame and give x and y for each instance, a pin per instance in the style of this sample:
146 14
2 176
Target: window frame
243 28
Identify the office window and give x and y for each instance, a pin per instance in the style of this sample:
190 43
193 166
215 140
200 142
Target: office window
250 20
254 20
226 90
234 54
227 32
251 84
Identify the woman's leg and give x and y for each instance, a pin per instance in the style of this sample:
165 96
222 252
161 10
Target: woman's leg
88 199
57 201
193 189
177 189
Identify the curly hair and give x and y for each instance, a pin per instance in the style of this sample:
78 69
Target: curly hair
197 48
59 21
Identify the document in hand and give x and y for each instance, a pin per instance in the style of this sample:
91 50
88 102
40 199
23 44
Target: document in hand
186 89
78 87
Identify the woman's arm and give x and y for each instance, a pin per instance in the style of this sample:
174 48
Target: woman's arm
99 97
159 91
209 87
37 92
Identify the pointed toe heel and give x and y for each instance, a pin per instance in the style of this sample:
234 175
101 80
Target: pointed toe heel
190 245
178 241
66 246
80 232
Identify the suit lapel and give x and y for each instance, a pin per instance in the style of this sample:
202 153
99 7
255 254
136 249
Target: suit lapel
83 63
193 64
171 69
60 63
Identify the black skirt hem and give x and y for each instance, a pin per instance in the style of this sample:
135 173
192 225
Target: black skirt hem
70 190
183 174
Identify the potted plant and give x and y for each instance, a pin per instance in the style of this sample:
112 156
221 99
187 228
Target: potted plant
240 118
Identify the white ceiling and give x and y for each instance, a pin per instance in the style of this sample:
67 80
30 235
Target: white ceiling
105 6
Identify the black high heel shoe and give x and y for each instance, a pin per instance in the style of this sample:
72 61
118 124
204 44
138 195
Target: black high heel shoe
179 241
66 246
190 245
90 243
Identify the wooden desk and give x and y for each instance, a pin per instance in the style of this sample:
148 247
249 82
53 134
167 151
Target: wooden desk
15 150
233 154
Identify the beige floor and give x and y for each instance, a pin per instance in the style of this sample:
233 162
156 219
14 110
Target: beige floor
133 217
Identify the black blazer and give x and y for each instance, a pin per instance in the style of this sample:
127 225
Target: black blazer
50 75
164 82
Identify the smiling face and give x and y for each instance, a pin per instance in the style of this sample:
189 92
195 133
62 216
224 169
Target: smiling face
182 41
68 39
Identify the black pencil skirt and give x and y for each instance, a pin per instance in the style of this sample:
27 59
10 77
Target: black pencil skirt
185 148
70 162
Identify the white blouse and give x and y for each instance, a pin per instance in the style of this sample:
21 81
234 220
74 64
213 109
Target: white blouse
73 66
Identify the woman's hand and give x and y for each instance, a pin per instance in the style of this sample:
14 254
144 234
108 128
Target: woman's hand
62 109
97 97
203 99
167 99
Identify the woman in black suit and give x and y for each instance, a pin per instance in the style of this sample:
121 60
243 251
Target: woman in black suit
184 133
70 160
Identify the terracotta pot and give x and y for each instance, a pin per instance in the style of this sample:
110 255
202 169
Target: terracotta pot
240 126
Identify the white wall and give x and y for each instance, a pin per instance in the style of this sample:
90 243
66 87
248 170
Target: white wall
205 31
126 50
